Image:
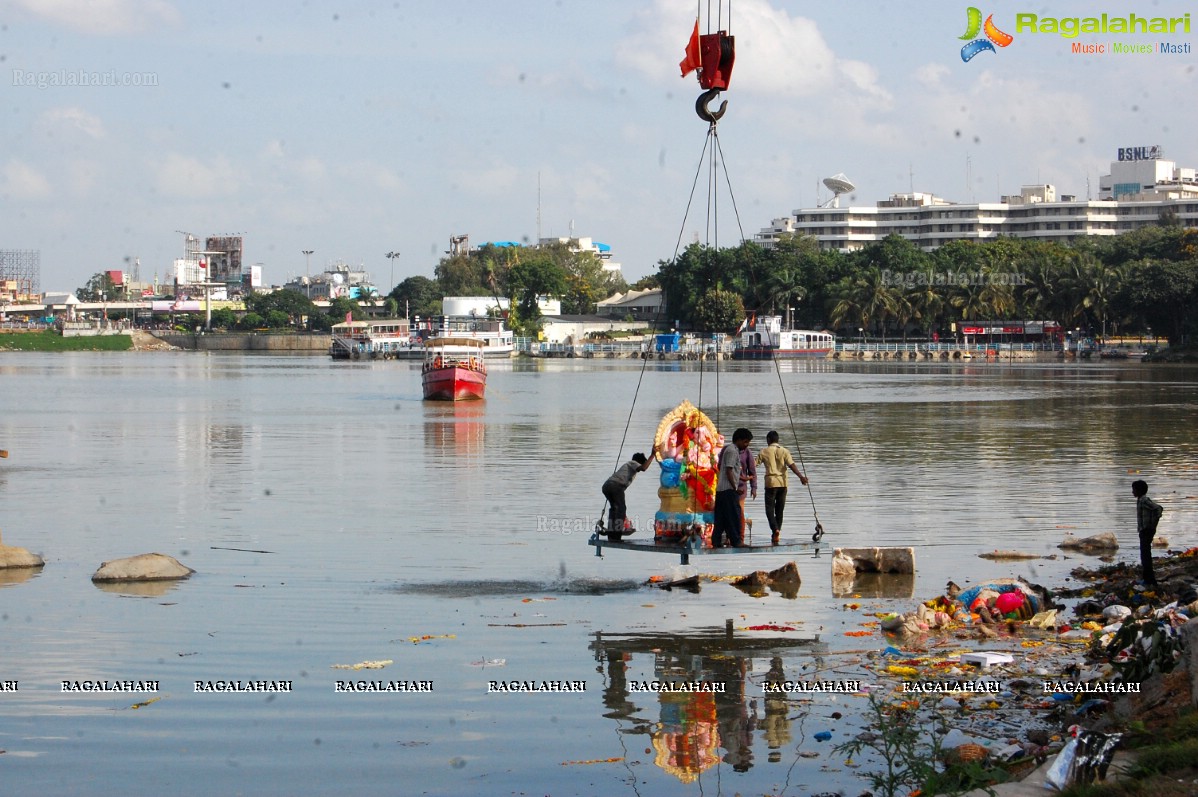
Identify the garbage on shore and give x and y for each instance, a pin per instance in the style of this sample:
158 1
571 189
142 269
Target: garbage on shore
1099 543
1041 683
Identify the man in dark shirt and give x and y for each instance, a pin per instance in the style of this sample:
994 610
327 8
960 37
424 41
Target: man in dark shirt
613 491
1148 514
727 505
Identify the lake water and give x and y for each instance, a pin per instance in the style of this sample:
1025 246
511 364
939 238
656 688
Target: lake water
334 518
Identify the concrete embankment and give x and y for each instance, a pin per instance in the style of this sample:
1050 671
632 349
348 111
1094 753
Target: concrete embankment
305 345
952 355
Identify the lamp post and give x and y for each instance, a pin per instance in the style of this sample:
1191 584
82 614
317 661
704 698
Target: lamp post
391 256
861 332
308 268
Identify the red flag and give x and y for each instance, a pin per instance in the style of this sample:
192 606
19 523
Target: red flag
203 264
349 316
692 61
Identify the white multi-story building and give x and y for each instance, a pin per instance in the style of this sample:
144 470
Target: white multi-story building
1141 173
599 250
1145 189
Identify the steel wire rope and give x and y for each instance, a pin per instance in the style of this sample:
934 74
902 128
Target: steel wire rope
819 527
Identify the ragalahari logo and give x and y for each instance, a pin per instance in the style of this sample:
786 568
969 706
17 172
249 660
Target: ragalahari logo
993 35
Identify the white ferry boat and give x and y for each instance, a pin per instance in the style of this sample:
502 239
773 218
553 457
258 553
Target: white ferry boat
396 339
370 340
766 338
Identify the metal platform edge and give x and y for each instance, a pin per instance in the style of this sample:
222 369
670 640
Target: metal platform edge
599 542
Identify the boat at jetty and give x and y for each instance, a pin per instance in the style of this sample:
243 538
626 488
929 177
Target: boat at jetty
453 369
767 338
397 339
371 340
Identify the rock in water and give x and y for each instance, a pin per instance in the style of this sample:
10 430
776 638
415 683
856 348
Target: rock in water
786 574
759 579
12 556
1099 542
1008 556
145 567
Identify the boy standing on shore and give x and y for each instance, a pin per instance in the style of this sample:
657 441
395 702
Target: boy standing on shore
1148 514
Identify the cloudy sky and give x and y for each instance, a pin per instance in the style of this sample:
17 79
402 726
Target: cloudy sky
356 128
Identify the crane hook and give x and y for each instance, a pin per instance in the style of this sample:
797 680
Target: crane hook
705 113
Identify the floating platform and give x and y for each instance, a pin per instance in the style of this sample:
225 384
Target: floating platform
695 547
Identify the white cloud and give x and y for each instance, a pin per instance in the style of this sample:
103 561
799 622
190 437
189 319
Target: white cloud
105 17
367 173
274 149
932 74
22 181
495 181
186 177
83 176
57 120
312 169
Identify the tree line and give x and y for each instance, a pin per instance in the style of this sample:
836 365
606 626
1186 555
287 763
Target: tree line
1142 280
519 274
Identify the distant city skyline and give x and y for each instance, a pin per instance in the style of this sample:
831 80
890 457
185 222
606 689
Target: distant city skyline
362 130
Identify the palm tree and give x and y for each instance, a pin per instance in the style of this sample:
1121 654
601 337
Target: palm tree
1099 282
784 286
927 303
968 298
844 306
866 297
878 297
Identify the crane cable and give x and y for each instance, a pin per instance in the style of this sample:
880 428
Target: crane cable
819 527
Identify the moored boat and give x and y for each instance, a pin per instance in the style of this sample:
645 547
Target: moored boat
454 369
766 338
370 340
397 339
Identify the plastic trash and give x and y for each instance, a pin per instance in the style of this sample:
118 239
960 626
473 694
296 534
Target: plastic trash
823 736
986 658
1083 760
957 737
1115 613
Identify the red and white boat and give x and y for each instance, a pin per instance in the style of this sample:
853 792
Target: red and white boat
767 338
454 369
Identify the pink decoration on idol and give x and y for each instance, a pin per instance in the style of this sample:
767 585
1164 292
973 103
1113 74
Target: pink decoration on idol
1009 602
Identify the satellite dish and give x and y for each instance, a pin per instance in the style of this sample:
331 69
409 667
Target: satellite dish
838 184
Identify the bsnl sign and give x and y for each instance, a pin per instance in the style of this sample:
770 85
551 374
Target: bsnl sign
1140 153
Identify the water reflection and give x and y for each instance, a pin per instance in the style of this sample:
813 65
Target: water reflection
18 575
694 697
455 428
874 585
137 589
